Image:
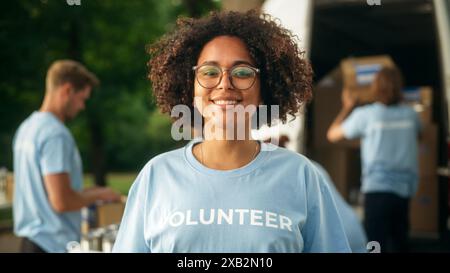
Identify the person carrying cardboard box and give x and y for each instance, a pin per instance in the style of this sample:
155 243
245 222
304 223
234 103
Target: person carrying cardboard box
48 173
389 132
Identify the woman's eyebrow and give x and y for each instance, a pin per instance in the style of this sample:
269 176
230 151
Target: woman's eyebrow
237 62
210 62
242 62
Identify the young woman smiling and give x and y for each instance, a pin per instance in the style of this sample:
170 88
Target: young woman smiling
221 194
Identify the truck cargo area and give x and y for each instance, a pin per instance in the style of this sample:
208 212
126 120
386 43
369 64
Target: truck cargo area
343 29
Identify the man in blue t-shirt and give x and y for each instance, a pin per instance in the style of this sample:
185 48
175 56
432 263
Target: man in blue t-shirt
48 173
389 132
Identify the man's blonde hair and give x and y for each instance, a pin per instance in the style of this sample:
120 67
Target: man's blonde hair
69 71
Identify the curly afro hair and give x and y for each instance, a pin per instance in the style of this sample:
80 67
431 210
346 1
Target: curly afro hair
286 77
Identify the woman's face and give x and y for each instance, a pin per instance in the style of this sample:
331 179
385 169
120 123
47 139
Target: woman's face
226 52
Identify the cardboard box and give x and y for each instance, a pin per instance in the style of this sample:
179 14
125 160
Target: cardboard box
359 73
421 99
428 151
425 113
341 160
110 213
418 94
326 106
424 210
101 215
9 188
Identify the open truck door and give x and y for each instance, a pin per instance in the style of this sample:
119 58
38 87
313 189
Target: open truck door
296 16
442 16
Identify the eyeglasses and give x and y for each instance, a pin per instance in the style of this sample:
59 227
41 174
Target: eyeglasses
241 77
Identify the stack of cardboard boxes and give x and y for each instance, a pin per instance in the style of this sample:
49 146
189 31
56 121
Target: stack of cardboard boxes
424 205
342 160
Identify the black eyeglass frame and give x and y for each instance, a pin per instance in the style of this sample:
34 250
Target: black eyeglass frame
222 70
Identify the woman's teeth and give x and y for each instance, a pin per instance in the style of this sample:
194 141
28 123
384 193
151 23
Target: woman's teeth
225 102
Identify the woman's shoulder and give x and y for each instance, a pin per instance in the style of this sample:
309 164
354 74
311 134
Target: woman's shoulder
295 165
286 156
173 157
163 162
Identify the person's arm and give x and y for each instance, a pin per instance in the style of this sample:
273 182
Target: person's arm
63 198
335 132
131 236
323 231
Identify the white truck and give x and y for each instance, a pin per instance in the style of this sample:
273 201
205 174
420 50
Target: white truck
414 33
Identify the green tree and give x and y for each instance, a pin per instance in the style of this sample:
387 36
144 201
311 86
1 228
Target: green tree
120 129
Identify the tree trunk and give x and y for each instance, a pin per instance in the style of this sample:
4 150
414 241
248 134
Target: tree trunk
97 151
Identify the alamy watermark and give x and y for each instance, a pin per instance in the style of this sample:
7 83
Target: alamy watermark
373 247
221 122
373 2
73 2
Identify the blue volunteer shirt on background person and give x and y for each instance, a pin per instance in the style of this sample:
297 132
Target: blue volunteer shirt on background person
276 203
384 129
42 146
353 228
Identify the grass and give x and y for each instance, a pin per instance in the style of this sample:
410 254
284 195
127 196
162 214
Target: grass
120 182
5 216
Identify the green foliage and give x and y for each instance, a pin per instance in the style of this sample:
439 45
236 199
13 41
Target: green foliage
109 37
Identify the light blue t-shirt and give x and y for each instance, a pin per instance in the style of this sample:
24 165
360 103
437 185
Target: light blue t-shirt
352 225
389 147
43 145
276 203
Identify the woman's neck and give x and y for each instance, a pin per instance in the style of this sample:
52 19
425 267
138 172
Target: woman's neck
226 154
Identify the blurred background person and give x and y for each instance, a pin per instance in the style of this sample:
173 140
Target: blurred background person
389 132
47 165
